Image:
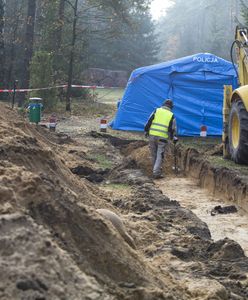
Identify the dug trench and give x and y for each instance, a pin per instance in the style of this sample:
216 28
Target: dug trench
54 244
200 254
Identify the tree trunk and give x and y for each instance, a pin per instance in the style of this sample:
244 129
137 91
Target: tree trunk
61 23
72 54
12 55
1 43
58 56
29 41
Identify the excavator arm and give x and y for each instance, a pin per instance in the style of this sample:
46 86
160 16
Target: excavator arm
241 41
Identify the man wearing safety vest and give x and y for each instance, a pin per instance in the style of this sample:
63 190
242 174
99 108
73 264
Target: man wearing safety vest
160 127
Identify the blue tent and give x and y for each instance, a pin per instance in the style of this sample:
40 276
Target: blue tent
194 83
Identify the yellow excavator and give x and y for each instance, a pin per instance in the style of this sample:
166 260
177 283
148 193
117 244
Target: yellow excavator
235 107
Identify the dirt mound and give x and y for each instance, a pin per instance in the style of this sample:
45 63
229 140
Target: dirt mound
34 267
141 156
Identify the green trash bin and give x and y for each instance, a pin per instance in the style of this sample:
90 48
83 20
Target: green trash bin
35 108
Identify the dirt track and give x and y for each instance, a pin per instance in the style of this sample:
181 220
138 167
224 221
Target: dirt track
201 202
64 248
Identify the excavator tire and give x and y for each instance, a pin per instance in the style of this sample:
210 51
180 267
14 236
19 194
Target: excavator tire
238 133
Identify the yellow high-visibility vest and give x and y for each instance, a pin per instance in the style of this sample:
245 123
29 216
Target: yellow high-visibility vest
160 123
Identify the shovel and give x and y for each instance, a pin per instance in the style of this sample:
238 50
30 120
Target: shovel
175 168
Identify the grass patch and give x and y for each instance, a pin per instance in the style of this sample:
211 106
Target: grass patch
82 107
127 135
203 145
102 160
219 161
118 186
118 189
109 95
91 108
200 144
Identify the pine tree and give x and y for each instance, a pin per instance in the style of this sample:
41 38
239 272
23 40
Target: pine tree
1 43
41 76
28 45
244 10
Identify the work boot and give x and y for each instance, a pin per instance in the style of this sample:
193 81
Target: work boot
159 176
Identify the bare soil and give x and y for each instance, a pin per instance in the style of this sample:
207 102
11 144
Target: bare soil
54 245
190 195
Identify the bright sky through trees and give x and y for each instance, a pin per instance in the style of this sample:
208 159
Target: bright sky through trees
158 8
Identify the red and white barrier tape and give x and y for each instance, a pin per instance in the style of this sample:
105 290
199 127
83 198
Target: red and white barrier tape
58 86
94 87
30 90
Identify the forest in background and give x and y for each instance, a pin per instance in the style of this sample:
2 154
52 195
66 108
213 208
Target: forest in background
47 43
196 26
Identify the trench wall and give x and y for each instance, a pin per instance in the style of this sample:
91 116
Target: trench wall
222 182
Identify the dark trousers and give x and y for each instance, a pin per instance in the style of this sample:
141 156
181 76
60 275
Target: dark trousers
158 148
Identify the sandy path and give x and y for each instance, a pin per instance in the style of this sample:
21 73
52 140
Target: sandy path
201 202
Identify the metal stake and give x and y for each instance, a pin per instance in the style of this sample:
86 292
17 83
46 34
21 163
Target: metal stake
14 93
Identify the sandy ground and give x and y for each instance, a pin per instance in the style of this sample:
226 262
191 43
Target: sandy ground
187 192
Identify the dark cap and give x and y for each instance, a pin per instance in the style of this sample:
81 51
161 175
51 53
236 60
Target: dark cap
168 103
